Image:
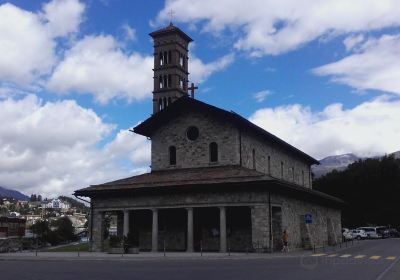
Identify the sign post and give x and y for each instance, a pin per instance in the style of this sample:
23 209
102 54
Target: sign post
308 218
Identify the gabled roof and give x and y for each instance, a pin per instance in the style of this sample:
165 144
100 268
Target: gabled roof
185 103
170 29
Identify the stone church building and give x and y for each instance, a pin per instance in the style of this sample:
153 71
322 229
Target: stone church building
218 182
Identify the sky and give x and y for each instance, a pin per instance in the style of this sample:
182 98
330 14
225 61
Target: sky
76 75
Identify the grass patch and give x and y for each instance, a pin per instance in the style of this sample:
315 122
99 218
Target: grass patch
82 247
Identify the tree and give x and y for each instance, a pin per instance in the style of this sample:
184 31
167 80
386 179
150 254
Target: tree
371 189
65 229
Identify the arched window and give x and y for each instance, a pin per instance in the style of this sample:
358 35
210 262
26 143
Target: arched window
160 79
160 57
159 104
181 59
169 100
254 158
165 82
169 56
172 155
169 81
165 58
180 82
164 103
213 152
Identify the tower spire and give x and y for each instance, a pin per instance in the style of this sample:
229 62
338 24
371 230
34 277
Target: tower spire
170 66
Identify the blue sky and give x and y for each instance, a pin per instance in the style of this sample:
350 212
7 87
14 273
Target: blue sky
75 75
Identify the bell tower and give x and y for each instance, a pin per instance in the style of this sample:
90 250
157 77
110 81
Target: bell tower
170 66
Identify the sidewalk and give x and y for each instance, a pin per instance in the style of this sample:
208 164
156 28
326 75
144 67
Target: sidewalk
71 256
54 256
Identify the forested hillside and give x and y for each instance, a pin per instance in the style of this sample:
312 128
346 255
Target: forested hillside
371 188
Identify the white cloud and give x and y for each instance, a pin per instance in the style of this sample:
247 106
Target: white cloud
200 71
129 32
27 40
375 65
63 16
274 27
369 129
353 41
26 48
261 95
97 65
53 148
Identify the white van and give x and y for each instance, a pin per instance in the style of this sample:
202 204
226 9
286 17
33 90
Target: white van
372 232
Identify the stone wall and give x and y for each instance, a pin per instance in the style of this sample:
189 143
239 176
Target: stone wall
233 147
272 167
190 154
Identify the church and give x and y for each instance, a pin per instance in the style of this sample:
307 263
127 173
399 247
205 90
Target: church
217 182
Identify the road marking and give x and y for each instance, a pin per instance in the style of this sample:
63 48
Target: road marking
345 256
333 255
318 255
360 256
375 257
391 258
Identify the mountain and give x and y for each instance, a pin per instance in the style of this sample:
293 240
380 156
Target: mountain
395 154
339 163
13 194
330 163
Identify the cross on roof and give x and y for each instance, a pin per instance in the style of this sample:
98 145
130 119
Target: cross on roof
192 88
171 14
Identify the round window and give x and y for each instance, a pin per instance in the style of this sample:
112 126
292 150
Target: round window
192 133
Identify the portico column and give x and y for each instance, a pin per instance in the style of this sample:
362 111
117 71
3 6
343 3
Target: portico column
126 223
154 235
190 229
222 229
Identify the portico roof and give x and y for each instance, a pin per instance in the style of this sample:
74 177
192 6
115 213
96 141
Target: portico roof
215 177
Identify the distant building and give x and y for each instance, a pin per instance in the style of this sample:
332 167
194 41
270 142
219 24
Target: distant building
12 226
56 204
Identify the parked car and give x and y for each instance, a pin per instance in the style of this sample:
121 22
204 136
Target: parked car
383 231
358 234
346 234
371 232
394 232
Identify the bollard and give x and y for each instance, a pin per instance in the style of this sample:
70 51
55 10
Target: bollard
164 247
314 248
201 248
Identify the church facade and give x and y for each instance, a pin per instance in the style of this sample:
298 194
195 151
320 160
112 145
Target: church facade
217 182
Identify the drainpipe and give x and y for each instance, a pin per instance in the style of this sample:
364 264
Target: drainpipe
270 221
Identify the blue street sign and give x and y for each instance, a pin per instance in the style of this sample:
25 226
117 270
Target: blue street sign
308 218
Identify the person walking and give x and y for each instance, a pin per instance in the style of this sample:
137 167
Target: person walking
285 240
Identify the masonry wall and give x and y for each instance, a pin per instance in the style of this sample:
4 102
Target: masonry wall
192 154
325 229
263 150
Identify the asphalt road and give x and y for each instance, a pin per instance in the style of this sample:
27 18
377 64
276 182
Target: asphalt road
370 259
